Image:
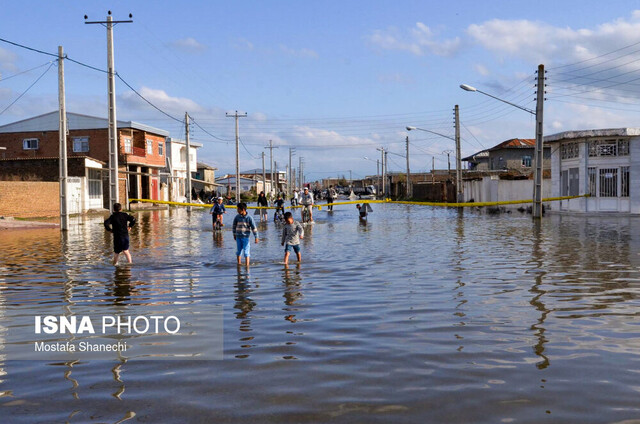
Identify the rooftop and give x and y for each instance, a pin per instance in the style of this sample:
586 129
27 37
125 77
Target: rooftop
610 132
75 121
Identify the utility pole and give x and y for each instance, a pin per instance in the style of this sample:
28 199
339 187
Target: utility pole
448 152
382 161
539 151
408 188
237 115
271 147
264 177
433 169
459 197
62 131
350 179
300 176
277 178
290 185
188 143
386 171
378 176
113 128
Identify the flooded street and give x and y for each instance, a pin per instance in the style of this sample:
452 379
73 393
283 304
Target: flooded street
420 315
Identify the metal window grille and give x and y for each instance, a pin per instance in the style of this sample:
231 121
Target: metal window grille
608 182
609 147
569 150
623 147
624 181
593 181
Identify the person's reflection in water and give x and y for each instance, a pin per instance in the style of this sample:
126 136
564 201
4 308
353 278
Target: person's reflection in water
218 239
537 258
122 287
244 304
293 282
117 377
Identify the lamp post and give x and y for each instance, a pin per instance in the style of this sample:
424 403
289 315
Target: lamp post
538 113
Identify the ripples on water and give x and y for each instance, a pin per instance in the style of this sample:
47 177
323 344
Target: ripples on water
420 315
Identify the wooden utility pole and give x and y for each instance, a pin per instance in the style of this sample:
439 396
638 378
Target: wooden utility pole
539 151
459 197
237 115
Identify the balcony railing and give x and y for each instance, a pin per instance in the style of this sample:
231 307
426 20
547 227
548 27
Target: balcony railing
139 151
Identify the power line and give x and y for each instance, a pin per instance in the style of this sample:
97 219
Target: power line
28 88
24 72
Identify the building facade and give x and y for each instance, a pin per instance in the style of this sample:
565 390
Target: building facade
605 164
141 149
515 154
176 175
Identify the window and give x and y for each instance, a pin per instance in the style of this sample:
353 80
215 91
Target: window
161 149
574 178
80 144
526 161
608 182
95 184
624 181
564 183
183 154
30 144
149 147
609 147
593 173
569 150
128 147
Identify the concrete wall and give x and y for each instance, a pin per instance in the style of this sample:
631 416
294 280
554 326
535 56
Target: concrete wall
29 199
494 190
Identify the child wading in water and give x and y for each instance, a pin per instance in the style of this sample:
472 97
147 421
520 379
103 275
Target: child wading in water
119 223
292 233
243 226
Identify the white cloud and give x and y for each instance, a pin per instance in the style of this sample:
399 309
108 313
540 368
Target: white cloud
172 105
243 44
189 45
301 53
539 42
419 41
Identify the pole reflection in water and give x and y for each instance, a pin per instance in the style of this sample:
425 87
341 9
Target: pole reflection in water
459 270
537 259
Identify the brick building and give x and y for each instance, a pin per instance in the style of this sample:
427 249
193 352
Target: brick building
142 149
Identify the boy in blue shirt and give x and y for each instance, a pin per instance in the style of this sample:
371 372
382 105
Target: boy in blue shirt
216 211
243 226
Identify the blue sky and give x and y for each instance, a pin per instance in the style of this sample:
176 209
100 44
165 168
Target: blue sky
335 79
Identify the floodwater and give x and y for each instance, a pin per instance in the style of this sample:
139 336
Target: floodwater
421 315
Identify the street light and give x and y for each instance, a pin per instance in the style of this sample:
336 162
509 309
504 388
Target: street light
538 113
429 131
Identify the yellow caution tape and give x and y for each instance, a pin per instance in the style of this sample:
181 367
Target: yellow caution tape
401 202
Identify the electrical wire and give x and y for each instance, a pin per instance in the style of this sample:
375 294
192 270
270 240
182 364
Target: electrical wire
28 88
24 72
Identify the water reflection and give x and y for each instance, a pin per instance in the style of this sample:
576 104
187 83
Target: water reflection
537 259
293 290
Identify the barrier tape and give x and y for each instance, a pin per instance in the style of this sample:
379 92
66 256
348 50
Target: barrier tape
401 202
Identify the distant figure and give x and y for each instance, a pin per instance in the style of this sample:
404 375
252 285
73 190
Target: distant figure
118 224
262 202
243 226
279 205
331 197
217 211
294 200
194 195
292 233
363 210
201 194
306 200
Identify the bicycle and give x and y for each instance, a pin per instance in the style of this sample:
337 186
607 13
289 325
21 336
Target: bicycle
306 216
217 226
278 215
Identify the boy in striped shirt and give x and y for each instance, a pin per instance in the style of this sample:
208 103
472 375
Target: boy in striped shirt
243 226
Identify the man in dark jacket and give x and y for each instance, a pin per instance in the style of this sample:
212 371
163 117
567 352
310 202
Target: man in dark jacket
119 224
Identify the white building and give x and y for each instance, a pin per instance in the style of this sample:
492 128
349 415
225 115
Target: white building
602 163
177 166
